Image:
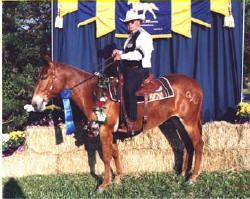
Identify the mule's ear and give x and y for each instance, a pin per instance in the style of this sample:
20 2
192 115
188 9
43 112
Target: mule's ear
48 59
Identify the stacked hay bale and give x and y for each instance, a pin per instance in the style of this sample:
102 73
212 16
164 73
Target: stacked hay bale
227 147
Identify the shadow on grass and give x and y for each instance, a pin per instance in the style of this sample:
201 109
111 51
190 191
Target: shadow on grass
12 190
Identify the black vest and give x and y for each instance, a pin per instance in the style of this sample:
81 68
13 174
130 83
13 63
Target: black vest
131 45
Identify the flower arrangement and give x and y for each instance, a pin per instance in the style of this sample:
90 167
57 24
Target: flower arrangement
100 97
12 141
243 113
51 114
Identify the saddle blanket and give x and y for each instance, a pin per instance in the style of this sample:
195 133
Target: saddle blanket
164 91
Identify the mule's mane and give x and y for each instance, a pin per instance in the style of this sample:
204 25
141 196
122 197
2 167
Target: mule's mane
69 68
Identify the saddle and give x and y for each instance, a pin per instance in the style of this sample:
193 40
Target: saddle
148 86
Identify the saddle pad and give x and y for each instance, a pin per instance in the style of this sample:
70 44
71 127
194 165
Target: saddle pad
164 91
168 88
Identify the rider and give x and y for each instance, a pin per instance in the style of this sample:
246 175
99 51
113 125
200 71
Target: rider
136 61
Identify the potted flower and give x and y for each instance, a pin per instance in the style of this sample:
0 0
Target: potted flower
243 113
12 141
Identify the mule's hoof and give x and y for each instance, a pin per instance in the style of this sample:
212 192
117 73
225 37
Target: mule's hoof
117 182
191 182
100 190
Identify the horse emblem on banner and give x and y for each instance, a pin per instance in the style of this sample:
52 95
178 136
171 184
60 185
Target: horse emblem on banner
137 6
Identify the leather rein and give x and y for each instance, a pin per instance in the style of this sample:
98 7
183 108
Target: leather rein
101 71
82 81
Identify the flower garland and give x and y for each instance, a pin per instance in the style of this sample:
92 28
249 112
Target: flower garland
100 97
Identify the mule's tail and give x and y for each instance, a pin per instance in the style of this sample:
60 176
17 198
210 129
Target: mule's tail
200 123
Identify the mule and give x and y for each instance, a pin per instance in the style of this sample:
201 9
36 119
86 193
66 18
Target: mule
185 106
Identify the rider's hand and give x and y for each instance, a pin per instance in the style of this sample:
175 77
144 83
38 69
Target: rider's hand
116 54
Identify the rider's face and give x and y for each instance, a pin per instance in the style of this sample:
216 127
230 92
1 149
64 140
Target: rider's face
133 25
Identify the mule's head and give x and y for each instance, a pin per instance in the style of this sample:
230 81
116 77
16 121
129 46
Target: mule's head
47 86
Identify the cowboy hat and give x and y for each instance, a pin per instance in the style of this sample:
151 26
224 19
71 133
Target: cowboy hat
132 15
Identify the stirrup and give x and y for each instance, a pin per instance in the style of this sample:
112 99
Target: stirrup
130 127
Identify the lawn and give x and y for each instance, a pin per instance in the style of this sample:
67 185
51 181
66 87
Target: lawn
166 185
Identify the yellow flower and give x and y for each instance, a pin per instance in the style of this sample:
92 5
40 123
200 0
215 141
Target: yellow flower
16 134
53 107
241 104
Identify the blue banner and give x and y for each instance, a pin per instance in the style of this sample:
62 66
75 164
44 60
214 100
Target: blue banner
157 18
86 12
201 12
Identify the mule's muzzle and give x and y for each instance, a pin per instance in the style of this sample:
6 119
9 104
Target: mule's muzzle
38 103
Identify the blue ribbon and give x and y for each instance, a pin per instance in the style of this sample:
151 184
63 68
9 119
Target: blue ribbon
70 127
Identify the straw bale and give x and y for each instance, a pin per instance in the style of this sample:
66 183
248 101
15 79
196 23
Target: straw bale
228 159
42 139
151 139
28 163
223 135
146 160
227 147
77 162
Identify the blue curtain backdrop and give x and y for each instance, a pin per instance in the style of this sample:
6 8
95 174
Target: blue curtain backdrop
213 57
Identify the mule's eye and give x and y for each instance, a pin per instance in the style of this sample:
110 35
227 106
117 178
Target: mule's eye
43 77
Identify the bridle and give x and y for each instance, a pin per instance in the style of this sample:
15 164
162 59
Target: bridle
47 93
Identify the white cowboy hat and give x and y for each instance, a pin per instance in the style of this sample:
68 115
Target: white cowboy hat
132 15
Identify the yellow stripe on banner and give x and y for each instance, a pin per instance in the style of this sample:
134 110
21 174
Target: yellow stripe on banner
162 36
105 17
181 17
121 35
220 6
153 36
67 6
86 22
198 21
133 1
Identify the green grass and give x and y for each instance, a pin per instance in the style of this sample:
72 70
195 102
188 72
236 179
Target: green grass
167 185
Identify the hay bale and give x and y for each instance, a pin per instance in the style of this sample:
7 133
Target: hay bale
227 147
42 139
146 160
223 135
235 160
150 139
28 163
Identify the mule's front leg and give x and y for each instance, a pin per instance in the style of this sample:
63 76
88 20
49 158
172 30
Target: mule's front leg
116 157
106 142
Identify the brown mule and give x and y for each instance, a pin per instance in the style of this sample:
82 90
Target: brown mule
186 105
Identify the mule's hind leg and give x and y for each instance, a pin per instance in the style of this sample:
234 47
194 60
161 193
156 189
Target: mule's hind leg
197 143
116 156
198 148
188 155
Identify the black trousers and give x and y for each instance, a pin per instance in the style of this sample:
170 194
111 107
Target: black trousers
133 78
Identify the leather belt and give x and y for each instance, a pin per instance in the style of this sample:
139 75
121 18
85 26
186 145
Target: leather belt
133 67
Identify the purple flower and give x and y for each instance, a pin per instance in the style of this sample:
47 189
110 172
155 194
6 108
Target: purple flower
51 123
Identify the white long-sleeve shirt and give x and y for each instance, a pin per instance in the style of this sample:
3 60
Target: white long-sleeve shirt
144 42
